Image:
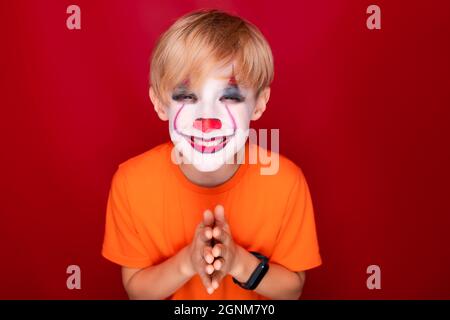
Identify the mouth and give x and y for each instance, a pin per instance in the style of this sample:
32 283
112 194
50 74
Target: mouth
211 145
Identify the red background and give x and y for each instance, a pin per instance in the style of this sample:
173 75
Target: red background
364 113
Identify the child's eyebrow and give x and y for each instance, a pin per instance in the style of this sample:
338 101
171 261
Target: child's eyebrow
181 88
232 89
180 91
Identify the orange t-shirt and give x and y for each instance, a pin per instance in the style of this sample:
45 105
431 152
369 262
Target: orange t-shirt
153 210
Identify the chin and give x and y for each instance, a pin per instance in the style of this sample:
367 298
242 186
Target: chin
204 166
208 157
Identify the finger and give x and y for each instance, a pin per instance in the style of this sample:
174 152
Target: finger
208 218
218 264
219 250
221 235
198 231
209 269
208 233
206 280
205 234
219 217
208 255
216 279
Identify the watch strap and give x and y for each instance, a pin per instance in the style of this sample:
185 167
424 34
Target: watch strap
257 275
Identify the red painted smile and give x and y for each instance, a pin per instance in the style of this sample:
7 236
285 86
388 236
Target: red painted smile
208 145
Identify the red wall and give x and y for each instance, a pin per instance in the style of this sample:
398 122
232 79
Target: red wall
365 113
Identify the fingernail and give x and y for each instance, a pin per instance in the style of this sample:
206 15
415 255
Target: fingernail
210 290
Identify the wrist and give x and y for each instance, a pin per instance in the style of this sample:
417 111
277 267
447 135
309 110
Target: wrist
244 265
185 265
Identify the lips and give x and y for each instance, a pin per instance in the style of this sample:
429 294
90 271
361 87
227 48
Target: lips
208 145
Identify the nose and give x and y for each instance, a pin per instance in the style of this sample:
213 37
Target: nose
207 125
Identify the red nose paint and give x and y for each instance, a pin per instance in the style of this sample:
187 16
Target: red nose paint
207 125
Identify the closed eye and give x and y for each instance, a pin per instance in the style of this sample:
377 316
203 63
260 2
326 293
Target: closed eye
187 98
233 98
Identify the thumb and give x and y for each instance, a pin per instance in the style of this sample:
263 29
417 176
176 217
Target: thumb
208 218
219 215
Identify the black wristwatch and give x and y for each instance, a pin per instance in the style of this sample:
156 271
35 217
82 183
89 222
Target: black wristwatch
257 274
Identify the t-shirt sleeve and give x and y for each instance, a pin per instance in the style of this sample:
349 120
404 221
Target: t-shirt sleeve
122 243
297 247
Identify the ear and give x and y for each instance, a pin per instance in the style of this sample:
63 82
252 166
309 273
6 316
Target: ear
158 105
261 102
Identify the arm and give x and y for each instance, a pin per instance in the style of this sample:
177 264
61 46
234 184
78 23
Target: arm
158 281
231 258
162 280
279 283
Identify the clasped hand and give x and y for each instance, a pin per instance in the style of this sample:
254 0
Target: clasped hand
213 253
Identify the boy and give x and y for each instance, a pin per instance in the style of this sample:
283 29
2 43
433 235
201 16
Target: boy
186 219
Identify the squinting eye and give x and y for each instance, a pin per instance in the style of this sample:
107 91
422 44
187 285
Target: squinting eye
190 98
233 98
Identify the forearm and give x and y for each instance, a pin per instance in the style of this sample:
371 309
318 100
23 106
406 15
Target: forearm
279 283
159 281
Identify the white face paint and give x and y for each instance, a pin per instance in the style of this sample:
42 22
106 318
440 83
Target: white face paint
210 125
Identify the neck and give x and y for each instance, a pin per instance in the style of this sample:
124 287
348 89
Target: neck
209 179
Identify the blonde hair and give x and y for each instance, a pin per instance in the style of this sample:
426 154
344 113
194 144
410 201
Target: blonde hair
204 39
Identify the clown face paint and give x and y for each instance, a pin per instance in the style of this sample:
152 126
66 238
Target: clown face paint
208 126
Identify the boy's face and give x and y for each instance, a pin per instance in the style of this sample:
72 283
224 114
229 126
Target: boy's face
210 124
